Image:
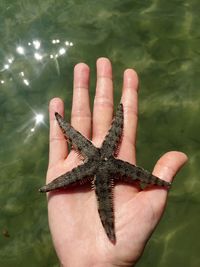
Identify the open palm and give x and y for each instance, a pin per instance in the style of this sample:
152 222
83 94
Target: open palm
78 235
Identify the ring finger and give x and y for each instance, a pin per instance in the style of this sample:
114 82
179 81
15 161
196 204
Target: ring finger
103 102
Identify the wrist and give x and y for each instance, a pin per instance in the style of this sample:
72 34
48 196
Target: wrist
90 265
87 264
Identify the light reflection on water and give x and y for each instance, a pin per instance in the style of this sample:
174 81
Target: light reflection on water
32 50
39 46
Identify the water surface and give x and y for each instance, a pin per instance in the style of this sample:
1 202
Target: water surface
41 41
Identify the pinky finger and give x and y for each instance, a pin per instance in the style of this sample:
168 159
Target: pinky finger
57 142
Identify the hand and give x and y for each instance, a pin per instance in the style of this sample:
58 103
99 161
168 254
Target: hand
78 235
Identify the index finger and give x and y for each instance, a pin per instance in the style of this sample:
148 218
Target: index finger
130 106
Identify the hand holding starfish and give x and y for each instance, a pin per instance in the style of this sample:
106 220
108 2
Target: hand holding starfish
77 232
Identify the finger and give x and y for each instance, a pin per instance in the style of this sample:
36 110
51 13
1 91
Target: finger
130 105
81 114
57 141
103 102
166 168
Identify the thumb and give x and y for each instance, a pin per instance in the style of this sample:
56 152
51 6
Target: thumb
166 168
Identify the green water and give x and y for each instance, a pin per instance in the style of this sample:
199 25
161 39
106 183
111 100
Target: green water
161 40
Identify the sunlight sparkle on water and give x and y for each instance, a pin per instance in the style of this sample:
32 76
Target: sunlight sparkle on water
36 44
6 66
10 60
39 118
62 51
26 82
38 56
67 43
20 50
57 41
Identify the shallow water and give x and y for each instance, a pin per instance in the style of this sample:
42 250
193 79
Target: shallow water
40 43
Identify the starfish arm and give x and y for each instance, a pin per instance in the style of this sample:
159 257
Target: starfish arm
77 175
81 143
129 172
103 189
113 137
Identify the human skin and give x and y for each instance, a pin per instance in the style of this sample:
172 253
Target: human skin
78 235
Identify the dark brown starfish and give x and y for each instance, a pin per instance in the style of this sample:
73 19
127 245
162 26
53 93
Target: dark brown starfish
101 167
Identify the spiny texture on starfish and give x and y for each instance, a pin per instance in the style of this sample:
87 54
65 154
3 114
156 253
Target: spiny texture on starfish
101 167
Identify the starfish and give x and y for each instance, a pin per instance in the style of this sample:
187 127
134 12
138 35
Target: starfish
101 167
